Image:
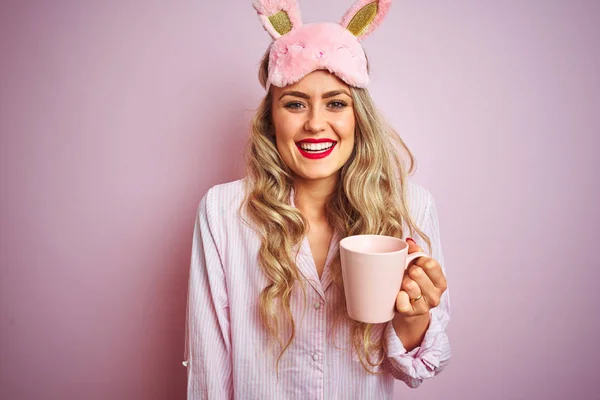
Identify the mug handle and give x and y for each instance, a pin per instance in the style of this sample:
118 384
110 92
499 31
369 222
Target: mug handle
413 256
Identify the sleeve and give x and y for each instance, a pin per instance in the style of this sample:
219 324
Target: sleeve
432 356
207 334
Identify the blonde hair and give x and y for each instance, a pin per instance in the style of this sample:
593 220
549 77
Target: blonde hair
369 198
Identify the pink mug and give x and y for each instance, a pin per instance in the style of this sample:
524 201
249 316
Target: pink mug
372 268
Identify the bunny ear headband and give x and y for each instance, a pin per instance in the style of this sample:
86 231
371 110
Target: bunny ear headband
300 49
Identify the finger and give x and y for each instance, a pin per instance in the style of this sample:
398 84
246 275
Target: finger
433 270
403 304
430 292
413 247
409 290
412 288
420 305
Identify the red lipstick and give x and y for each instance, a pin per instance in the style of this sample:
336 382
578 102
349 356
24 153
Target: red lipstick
316 155
316 141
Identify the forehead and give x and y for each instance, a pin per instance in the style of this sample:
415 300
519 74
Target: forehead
319 81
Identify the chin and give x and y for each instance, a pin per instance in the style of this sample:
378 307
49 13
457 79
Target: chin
320 175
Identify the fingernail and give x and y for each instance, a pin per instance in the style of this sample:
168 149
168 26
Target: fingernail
411 239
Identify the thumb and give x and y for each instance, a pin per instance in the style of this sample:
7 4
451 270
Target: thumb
413 247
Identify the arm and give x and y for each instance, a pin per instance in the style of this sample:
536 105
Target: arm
432 355
207 338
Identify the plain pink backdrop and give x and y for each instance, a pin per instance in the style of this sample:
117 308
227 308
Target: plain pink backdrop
117 116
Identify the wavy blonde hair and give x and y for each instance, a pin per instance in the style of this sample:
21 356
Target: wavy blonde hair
369 198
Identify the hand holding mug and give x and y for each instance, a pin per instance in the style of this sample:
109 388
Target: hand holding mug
422 286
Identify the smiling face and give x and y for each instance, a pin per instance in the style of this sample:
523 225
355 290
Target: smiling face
314 125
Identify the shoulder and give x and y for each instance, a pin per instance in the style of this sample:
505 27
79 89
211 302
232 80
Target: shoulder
420 201
224 199
226 193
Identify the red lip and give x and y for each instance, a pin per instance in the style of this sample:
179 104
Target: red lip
317 141
317 156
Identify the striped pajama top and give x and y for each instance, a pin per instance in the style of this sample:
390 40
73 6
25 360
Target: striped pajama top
226 348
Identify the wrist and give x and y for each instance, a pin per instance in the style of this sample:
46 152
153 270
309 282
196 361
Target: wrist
411 320
411 330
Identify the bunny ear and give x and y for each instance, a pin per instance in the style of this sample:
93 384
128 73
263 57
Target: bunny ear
364 16
278 16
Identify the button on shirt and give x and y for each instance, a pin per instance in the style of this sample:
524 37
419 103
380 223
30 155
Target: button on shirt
227 352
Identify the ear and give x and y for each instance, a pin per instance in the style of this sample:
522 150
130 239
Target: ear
278 16
364 16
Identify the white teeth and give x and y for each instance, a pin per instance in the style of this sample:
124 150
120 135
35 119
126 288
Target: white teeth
316 146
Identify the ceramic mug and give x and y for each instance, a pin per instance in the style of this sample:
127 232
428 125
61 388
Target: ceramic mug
372 268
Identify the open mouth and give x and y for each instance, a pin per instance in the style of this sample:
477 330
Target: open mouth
316 150
316 147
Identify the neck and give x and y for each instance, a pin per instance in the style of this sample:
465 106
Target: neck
311 197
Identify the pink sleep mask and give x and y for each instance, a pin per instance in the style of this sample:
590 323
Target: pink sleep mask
298 49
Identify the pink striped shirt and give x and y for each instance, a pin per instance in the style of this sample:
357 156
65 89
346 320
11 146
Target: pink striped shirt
226 352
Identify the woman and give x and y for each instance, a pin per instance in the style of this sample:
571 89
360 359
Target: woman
266 314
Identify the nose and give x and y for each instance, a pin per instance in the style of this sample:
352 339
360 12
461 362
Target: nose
316 121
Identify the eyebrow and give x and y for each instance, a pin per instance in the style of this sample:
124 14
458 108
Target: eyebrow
305 96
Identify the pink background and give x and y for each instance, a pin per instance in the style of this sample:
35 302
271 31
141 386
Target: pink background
116 117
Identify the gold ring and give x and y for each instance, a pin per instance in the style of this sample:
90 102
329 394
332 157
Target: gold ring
416 298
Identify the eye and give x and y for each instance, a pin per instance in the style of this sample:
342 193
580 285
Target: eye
338 104
294 105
